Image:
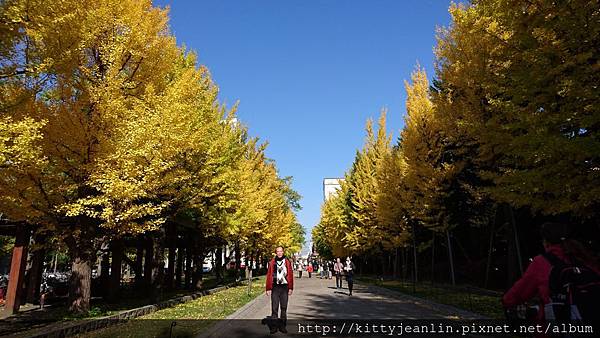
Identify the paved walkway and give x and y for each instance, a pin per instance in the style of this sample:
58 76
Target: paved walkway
318 299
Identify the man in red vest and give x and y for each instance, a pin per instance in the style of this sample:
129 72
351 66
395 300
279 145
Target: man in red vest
280 285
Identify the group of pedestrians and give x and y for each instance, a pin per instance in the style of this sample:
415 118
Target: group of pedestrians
336 268
300 268
565 279
341 270
280 283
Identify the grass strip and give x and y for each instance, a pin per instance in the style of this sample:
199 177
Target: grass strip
191 318
486 305
102 309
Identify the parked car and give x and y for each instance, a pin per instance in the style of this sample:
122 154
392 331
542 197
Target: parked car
231 265
207 266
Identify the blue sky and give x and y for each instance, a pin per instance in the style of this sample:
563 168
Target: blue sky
308 74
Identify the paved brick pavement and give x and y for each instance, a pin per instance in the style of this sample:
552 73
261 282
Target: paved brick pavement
316 298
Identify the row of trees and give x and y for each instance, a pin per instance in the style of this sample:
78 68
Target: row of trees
509 131
109 131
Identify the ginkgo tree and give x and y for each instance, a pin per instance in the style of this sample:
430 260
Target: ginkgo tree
329 235
392 211
263 217
367 185
510 119
93 63
109 129
365 216
520 82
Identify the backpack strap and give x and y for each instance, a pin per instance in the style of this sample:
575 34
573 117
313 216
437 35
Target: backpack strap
552 259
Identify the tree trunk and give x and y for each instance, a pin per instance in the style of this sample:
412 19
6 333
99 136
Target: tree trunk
55 265
35 276
433 258
249 273
238 258
219 264
80 283
395 271
148 262
415 267
201 256
489 253
139 263
248 264
197 275
450 258
403 263
158 265
516 234
256 265
511 257
170 269
116 250
18 263
179 269
188 266
463 251
171 244
105 273
514 265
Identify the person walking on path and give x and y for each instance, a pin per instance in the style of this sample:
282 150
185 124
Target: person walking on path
330 269
279 285
349 269
309 268
299 268
338 269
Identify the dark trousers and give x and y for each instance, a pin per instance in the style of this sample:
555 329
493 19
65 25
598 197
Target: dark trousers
350 281
279 298
338 280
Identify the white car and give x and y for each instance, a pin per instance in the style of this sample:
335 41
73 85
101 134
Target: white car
207 267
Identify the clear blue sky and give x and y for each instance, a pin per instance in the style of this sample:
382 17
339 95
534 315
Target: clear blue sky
309 73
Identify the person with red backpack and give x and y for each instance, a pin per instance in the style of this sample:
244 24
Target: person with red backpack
279 285
566 278
310 269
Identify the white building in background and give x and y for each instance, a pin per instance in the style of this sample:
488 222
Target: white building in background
331 186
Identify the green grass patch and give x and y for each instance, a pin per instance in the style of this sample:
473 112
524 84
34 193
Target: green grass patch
205 311
128 300
486 305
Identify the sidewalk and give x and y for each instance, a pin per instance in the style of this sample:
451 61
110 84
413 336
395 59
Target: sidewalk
316 299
